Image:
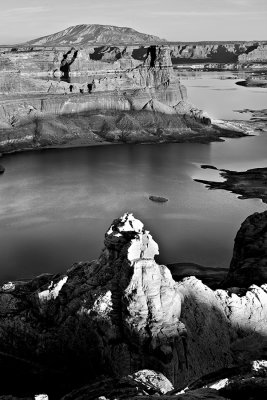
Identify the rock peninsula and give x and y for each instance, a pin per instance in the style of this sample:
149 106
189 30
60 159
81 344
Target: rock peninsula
248 184
97 95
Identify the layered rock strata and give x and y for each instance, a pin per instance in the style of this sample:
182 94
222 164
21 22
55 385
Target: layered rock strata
123 313
145 103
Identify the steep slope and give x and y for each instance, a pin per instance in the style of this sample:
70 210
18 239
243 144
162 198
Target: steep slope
91 33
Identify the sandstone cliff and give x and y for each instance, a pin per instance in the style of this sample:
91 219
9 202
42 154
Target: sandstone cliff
249 262
228 52
124 312
145 103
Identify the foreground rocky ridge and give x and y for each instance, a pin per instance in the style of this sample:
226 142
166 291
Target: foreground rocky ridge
123 313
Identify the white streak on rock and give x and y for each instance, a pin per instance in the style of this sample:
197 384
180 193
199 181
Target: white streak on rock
53 290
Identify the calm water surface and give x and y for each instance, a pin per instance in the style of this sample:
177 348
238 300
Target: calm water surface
57 204
217 93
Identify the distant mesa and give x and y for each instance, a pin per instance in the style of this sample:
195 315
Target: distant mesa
158 199
85 34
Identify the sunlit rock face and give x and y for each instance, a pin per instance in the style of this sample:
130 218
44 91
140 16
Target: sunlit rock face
124 312
257 54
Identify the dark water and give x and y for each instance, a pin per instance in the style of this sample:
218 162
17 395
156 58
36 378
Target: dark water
57 204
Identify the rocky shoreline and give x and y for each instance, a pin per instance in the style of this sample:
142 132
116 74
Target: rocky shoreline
248 184
101 322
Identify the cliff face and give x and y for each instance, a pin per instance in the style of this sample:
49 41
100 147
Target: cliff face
259 53
40 60
38 112
124 312
249 262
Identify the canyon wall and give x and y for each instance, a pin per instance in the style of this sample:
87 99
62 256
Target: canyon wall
38 112
47 60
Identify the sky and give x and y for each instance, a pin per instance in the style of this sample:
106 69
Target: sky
174 20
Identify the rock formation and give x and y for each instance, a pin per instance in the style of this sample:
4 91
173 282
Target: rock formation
145 103
92 34
249 262
220 52
123 313
257 53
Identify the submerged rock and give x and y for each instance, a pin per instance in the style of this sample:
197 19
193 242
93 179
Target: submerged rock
158 199
2 169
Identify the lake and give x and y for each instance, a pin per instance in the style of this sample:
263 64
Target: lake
57 204
218 94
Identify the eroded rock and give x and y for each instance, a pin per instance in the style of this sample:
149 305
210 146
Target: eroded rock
124 312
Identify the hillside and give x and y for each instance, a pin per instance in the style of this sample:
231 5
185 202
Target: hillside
97 34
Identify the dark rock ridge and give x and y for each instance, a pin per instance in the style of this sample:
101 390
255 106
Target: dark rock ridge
219 52
85 34
247 184
123 313
249 262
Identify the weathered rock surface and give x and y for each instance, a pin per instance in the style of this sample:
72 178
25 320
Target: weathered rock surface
249 262
145 103
125 94
228 52
123 313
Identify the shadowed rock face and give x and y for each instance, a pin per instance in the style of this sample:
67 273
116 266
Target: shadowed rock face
249 262
94 33
66 62
122 313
